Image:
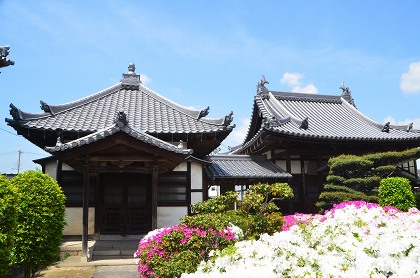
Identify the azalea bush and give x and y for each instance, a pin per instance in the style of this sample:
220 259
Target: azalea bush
353 239
168 252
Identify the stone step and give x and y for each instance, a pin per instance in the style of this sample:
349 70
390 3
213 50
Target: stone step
113 252
104 258
114 249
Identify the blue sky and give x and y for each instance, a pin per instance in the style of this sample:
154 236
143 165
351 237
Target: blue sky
209 53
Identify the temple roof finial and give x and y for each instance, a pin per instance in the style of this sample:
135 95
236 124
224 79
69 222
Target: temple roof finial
131 68
131 80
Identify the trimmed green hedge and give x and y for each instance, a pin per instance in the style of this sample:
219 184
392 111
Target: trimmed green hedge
8 217
396 192
353 177
41 220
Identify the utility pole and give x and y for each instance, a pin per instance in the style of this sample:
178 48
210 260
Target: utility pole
18 165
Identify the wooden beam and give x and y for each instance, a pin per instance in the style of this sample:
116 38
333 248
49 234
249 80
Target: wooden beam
125 157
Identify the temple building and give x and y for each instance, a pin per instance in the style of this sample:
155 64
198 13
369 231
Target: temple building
300 132
130 160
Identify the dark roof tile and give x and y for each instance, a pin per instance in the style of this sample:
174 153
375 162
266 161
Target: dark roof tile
243 166
146 111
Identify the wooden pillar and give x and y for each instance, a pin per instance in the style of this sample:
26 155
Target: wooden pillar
154 196
303 197
189 186
85 212
58 171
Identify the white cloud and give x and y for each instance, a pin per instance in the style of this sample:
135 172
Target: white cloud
410 81
144 79
293 80
308 89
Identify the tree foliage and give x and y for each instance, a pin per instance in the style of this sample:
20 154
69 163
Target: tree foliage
353 177
257 213
396 192
8 217
41 220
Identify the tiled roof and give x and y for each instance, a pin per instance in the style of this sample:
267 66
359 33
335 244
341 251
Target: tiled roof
146 111
101 134
243 166
319 117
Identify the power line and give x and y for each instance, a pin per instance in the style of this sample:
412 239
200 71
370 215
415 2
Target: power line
7 153
22 152
8 131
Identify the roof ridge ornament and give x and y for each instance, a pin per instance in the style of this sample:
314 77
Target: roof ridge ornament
304 124
347 93
46 108
386 127
409 127
131 80
228 119
270 122
261 85
204 112
15 112
4 52
121 119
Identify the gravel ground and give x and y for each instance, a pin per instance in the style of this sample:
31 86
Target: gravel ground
67 272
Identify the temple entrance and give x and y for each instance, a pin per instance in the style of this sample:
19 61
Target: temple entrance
125 207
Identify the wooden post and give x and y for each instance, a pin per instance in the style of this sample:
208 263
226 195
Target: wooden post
154 196
85 212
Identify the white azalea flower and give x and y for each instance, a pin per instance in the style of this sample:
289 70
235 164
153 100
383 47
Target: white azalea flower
354 240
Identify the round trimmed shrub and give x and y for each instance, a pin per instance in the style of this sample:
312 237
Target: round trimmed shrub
8 216
41 220
396 192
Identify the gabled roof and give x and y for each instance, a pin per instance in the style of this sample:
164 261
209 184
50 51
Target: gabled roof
319 118
117 127
243 167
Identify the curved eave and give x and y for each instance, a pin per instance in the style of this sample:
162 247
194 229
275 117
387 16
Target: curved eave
258 141
390 139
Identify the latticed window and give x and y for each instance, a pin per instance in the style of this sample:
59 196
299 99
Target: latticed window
71 183
172 187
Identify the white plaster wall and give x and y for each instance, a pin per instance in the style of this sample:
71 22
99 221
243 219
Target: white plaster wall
196 197
181 167
66 167
196 176
267 154
282 164
74 218
169 216
51 169
295 165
